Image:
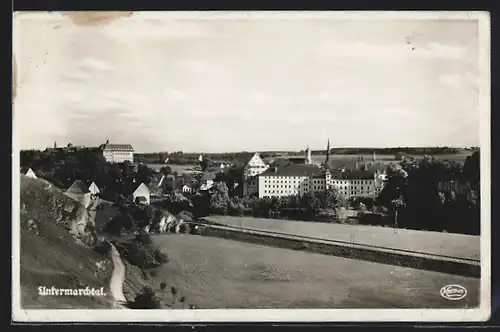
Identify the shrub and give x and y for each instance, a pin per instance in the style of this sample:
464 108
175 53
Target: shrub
102 248
183 228
160 256
153 273
113 227
146 300
143 238
141 255
185 215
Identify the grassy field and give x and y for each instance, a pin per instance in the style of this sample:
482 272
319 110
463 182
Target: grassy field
216 273
456 245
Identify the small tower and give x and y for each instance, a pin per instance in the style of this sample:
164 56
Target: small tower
55 145
327 158
308 156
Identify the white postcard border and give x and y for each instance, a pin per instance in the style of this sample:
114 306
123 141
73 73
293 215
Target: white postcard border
285 315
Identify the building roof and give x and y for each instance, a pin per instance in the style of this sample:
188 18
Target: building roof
25 170
78 187
292 170
245 157
353 175
118 147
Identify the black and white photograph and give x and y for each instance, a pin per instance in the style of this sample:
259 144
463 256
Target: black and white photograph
251 166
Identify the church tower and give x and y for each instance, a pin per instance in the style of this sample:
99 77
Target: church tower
308 156
55 145
327 158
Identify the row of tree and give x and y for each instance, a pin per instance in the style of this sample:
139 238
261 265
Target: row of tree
64 167
434 195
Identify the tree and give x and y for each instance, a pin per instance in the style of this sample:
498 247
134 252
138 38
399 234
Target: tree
397 205
166 170
219 199
205 164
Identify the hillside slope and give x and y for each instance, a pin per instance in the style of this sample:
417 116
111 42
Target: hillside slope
53 252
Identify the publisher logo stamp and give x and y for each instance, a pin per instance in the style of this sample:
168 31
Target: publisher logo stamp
453 292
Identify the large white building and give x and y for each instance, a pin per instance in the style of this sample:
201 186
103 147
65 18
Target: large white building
299 176
294 179
117 153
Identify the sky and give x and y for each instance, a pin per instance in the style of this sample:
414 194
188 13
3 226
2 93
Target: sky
218 85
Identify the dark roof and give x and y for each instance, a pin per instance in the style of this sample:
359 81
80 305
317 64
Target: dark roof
119 147
208 176
78 187
244 158
296 157
292 170
25 169
280 162
353 175
130 187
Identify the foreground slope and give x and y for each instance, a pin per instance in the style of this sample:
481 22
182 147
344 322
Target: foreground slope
53 252
219 273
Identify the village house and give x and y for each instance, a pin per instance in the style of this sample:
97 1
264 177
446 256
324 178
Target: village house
94 189
187 188
207 181
79 192
253 167
139 194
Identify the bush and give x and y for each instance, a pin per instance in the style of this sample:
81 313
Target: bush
102 248
153 273
143 238
113 227
185 215
141 255
146 300
160 256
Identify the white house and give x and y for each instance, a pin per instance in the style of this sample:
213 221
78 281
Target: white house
186 189
94 189
80 193
141 194
251 170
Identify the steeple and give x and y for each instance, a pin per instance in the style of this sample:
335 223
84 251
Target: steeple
327 153
55 145
308 156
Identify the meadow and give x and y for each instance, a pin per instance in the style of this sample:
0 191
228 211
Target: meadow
448 244
219 273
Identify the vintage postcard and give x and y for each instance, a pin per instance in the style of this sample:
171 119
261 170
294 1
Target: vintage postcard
251 166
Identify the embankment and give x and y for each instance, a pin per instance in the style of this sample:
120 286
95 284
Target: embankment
52 253
417 260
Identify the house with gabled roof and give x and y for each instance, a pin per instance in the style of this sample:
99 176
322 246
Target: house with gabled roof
139 193
93 188
79 192
253 167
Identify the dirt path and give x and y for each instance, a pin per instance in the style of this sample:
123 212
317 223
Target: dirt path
117 279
